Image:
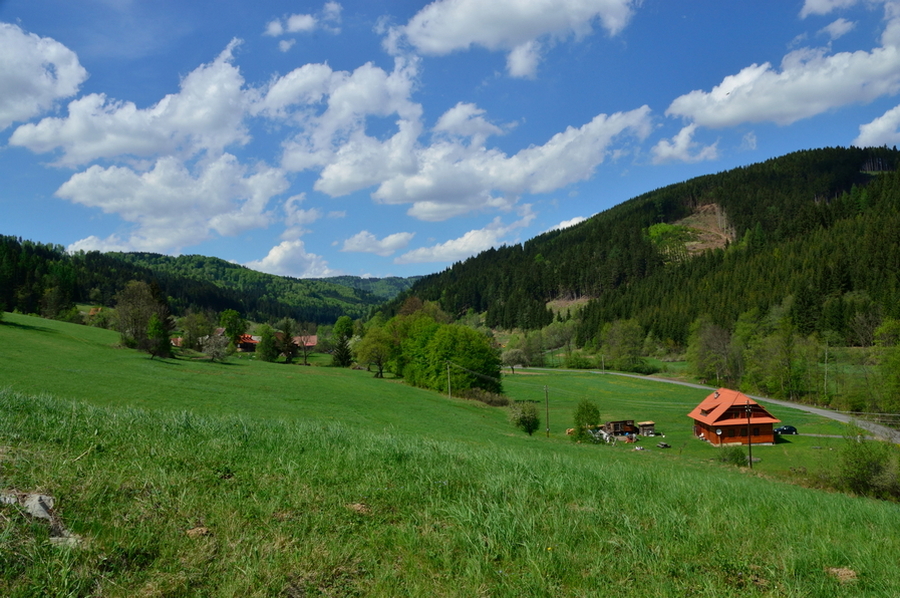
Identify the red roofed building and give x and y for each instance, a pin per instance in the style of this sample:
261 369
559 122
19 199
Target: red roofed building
722 419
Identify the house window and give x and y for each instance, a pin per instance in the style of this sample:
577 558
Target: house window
756 431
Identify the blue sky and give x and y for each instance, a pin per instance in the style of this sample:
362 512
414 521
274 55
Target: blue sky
393 138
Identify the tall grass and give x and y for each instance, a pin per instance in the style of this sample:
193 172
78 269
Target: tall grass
178 504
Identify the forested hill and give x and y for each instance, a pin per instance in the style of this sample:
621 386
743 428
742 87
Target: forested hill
822 226
45 279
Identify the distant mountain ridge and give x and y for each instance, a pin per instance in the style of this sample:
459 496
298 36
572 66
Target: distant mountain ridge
45 279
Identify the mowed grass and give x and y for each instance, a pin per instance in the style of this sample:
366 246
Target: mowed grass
250 479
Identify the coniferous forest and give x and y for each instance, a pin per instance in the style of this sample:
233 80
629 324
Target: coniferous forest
819 225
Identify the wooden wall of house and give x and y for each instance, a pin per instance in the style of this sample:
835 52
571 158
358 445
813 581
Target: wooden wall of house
762 434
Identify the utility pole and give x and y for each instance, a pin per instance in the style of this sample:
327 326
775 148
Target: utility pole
547 401
749 437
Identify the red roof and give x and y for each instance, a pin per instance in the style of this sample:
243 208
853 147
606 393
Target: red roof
727 407
308 340
246 338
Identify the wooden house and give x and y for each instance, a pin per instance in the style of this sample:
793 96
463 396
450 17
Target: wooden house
722 418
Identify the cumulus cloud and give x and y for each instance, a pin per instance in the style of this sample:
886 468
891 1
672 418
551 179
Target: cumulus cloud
329 19
445 26
683 148
296 219
881 131
452 178
524 59
206 114
452 173
290 258
471 243
171 207
824 7
35 72
838 28
366 242
809 82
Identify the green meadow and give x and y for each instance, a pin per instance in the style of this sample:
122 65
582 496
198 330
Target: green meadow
190 478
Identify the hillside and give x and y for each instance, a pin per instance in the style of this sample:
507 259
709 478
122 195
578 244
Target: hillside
821 222
189 478
45 279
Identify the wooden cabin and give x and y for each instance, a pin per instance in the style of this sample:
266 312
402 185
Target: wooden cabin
647 428
722 419
621 427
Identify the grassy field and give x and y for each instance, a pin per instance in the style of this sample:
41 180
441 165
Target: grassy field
187 478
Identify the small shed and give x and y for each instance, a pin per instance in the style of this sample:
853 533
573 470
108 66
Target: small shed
647 428
621 427
730 417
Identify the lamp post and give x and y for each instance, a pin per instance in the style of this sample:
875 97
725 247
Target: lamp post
749 437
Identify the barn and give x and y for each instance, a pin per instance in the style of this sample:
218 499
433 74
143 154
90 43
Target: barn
722 418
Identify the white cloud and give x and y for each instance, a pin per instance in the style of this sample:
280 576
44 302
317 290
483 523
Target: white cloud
452 179
206 114
366 242
290 258
297 219
881 131
838 28
329 19
471 243
823 7
567 223
286 44
35 72
445 26
300 23
466 120
523 60
683 148
454 174
748 142
172 207
809 83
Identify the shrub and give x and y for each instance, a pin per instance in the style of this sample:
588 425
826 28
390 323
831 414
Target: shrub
488 398
733 455
525 416
576 360
868 468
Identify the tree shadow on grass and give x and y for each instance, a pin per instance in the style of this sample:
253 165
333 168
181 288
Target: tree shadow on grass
28 327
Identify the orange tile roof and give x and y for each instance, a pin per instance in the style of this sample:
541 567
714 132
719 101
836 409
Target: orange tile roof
727 407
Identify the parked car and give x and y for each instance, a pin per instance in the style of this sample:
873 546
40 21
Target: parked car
786 430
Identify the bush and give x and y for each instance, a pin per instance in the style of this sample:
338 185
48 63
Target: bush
488 398
587 414
733 455
525 416
578 361
868 468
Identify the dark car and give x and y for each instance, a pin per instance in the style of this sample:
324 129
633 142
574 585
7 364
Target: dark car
786 430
